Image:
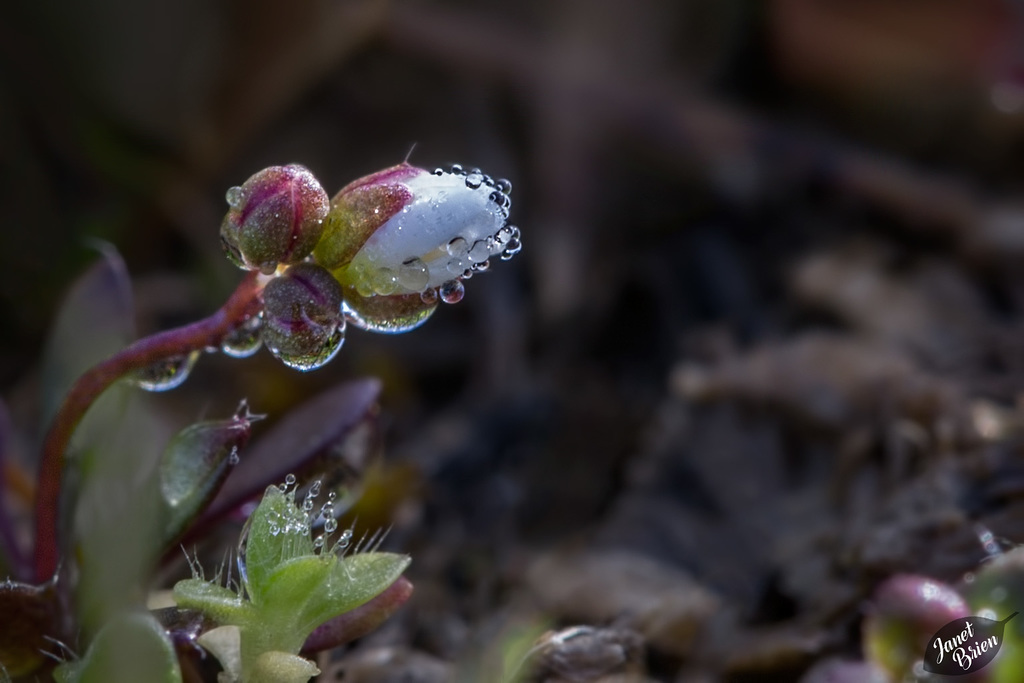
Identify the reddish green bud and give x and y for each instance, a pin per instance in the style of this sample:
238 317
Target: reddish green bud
276 217
402 239
302 320
905 612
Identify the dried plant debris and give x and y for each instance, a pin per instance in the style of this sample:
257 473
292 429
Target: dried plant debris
578 654
833 383
660 602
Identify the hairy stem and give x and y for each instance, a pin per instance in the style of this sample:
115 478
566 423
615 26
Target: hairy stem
243 303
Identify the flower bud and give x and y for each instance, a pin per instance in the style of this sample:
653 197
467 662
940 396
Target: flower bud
905 611
302 320
402 239
276 217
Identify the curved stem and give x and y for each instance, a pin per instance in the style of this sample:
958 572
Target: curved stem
242 303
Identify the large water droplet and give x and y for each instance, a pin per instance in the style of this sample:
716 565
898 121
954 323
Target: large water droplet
235 196
385 281
413 275
479 252
244 340
452 292
388 314
458 247
474 180
317 359
504 186
166 374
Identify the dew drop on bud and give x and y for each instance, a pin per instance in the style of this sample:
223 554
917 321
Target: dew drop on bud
165 375
504 186
479 252
311 361
452 292
458 247
235 196
429 296
474 180
244 340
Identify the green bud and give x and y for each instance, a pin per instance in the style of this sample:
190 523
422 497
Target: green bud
276 217
302 320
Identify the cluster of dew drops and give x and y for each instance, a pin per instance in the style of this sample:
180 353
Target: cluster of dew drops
298 523
465 260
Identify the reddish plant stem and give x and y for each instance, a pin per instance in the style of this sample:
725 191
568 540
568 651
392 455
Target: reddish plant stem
243 303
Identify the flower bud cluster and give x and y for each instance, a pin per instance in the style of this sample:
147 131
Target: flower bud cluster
381 254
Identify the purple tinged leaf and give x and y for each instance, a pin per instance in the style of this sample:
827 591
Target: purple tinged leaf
95 320
360 621
195 465
30 614
298 444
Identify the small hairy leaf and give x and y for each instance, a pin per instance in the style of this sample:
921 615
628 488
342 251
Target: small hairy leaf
221 604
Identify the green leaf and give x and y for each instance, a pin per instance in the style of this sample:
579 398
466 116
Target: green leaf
355 580
130 648
278 532
221 604
95 320
194 465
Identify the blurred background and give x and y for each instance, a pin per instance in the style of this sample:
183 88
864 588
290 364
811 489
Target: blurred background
761 348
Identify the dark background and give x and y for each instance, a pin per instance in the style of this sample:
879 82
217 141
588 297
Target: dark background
764 331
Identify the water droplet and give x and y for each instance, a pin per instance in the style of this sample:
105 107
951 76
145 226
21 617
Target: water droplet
166 374
387 314
343 542
458 247
456 266
429 296
385 281
235 196
244 340
439 171
330 525
482 267
414 275
452 292
311 361
273 528
504 186
474 180
318 542
233 456
457 169
479 252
